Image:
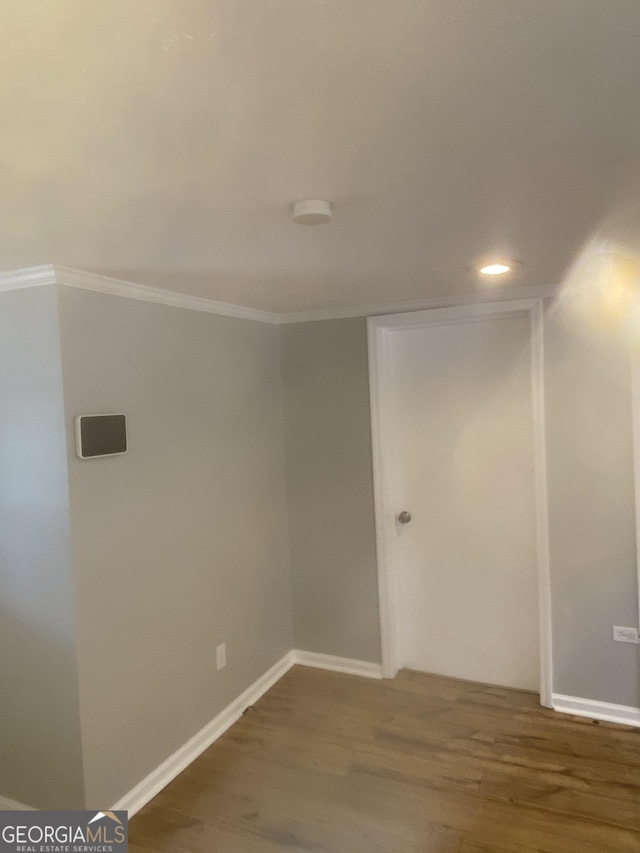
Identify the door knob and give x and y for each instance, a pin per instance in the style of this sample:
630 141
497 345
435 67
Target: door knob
404 517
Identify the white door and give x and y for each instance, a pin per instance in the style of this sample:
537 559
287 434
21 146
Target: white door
466 561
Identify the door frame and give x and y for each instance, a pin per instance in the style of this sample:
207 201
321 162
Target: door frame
381 330
634 367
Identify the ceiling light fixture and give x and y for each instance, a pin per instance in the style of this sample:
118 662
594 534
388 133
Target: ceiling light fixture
313 211
495 269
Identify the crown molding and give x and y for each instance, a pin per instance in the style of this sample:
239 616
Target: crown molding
130 290
27 277
70 277
500 294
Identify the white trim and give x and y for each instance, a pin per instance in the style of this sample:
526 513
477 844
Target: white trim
159 778
384 494
166 772
7 805
382 435
337 664
594 710
27 277
53 274
142 292
70 277
536 319
635 435
491 296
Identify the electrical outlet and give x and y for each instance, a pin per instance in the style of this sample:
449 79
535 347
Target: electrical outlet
221 655
625 635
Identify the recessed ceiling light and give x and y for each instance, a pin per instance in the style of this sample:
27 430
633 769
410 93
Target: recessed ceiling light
495 269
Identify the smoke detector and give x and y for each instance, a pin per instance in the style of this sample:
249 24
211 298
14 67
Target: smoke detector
313 211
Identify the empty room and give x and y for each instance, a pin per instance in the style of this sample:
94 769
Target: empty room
320 426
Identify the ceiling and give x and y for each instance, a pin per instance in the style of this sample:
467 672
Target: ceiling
162 142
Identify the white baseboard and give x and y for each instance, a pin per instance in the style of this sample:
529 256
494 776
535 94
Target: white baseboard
167 771
159 778
7 805
337 664
605 711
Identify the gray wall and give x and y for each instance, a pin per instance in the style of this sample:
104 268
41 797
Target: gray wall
330 488
40 755
591 511
592 534
181 544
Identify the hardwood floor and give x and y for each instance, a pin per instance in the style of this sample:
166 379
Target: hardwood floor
331 762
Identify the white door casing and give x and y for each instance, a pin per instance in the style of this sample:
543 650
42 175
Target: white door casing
382 330
635 428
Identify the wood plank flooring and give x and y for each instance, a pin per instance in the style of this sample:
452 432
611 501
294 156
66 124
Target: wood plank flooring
331 762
